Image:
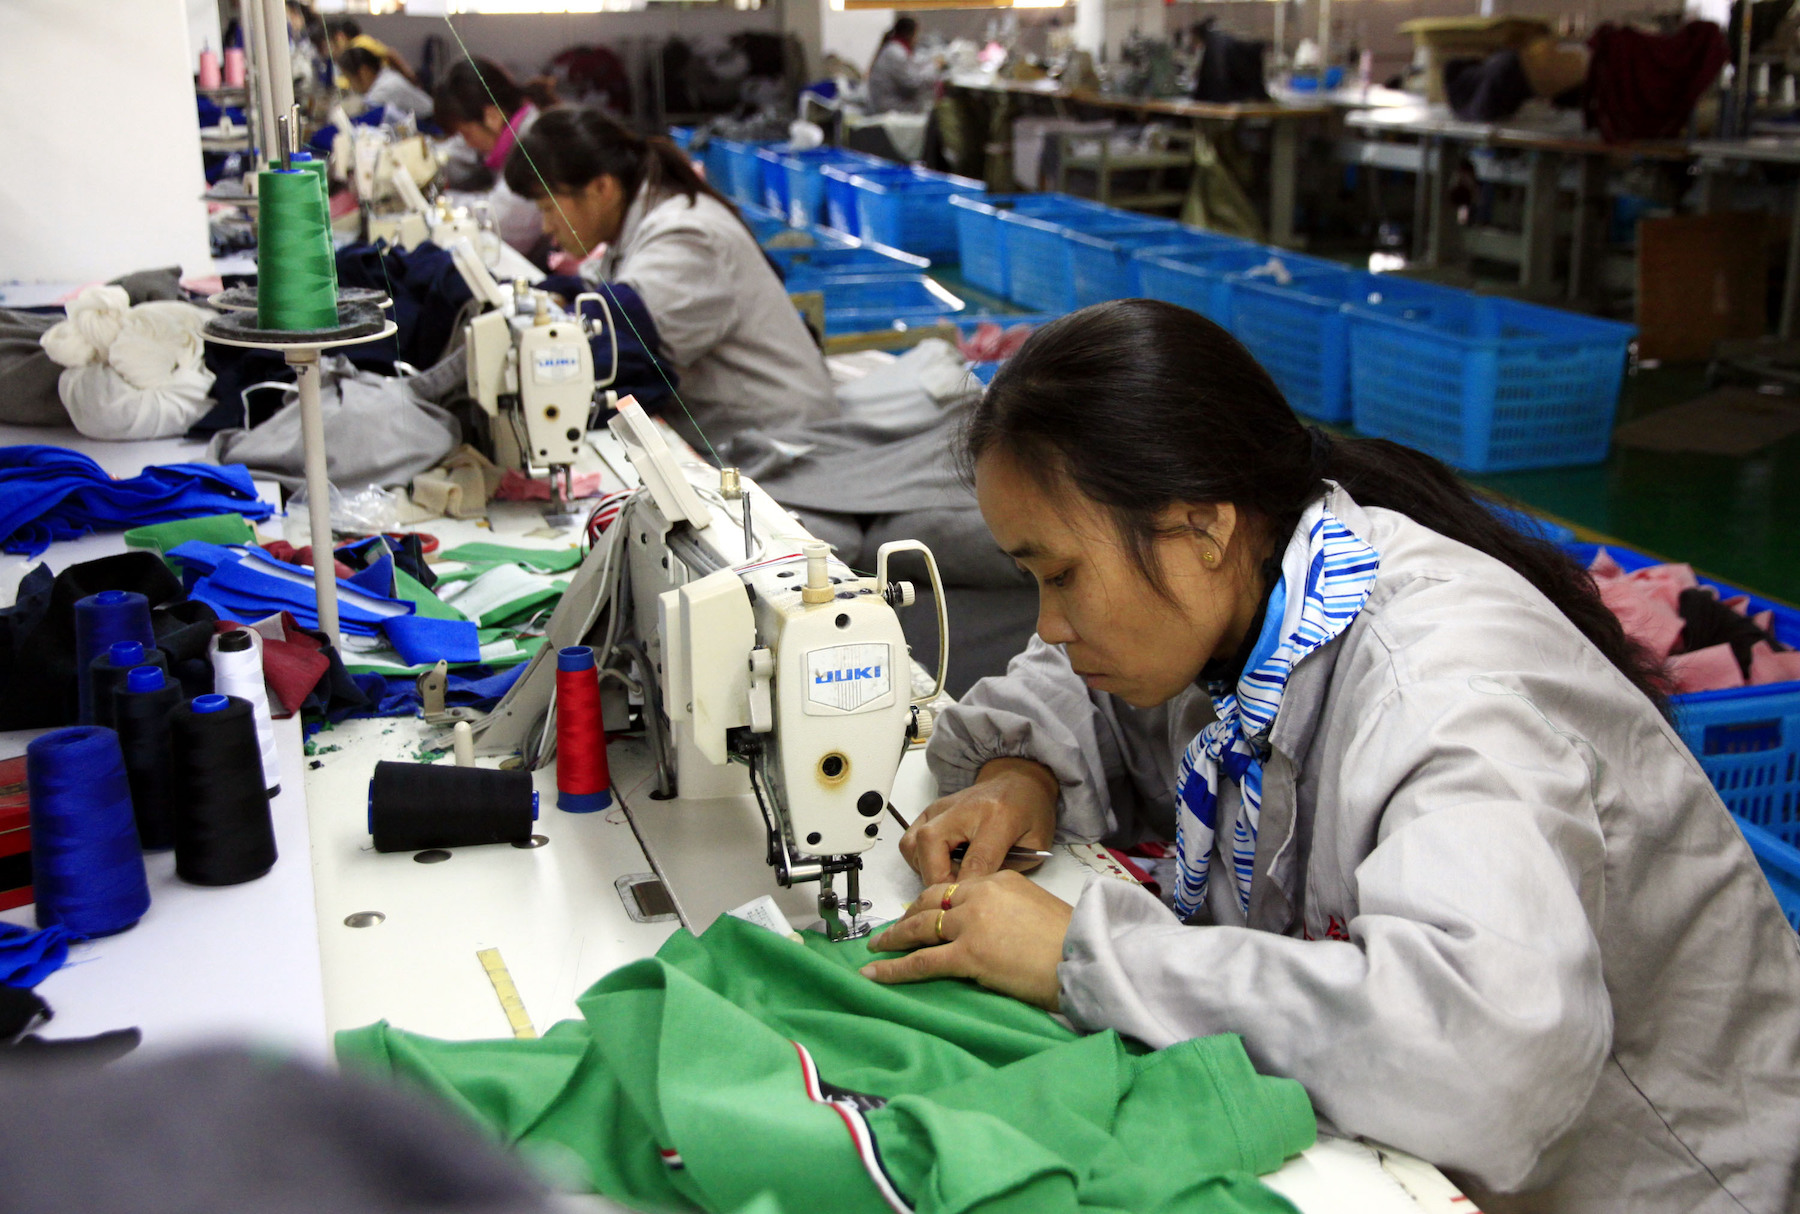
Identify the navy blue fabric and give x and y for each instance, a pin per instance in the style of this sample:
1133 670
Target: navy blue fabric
427 290
643 371
52 493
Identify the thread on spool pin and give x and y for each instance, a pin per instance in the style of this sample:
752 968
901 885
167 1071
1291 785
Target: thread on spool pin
141 716
296 277
87 871
238 671
234 67
101 619
583 783
223 832
420 805
305 162
106 677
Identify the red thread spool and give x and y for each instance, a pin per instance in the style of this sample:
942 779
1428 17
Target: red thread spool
583 783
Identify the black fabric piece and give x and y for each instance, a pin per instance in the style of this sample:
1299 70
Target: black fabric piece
143 286
249 1133
1231 69
1486 90
20 1012
183 631
428 294
336 694
234 369
38 687
1710 622
28 376
409 555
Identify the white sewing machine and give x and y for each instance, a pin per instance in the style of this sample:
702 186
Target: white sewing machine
531 368
765 672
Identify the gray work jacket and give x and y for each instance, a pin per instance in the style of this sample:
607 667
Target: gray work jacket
725 321
1499 916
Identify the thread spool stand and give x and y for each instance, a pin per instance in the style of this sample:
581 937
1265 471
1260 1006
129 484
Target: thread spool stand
359 320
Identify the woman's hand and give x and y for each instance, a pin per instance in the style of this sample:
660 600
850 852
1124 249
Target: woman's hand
1000 930
1013 801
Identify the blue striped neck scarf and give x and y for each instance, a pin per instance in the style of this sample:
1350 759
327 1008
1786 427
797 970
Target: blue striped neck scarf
1335 570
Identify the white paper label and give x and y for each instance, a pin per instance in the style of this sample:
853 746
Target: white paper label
555 364
846 677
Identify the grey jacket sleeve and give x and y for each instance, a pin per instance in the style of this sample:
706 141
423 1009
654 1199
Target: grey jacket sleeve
1039 709
1471 980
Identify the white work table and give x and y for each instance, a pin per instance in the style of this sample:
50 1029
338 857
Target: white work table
273 961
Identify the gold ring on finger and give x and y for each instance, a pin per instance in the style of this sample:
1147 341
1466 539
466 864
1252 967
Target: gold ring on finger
940 927
948 893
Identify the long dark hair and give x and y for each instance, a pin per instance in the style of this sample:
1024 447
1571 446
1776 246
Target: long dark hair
472 85
1141 405
572 145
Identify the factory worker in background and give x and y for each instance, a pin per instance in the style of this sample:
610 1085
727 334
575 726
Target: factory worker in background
345 33
723 317
898 80
479 104
1439 856
380 85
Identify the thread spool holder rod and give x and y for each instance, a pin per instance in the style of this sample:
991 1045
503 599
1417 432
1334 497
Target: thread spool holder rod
302 353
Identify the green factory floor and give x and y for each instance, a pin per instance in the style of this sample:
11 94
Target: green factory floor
1736 519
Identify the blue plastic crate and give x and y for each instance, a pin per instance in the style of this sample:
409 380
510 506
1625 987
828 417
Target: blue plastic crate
739 176
682 136
771 179
909 209
1040 252
1103 264
1533 525
806 181
864 303
980 241
1748 738
1201 278
1300 331
801 264
1488 385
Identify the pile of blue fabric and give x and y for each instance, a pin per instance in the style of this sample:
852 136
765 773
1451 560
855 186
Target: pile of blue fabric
51 493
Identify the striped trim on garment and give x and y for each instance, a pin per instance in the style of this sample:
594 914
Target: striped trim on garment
860 1134
1335 571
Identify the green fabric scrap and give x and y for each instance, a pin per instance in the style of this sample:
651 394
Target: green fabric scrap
223 529
541 560
685 1084
423 600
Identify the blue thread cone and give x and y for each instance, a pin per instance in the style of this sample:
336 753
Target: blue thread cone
87 871
101 619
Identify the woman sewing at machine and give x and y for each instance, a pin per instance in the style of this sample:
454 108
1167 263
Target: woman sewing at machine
723 318
378 84
480 104
1438 855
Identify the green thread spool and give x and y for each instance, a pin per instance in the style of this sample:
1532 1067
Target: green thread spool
296 277
305 161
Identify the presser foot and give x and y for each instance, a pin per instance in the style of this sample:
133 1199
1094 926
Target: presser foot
844 914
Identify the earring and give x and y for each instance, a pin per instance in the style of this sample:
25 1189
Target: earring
1209 557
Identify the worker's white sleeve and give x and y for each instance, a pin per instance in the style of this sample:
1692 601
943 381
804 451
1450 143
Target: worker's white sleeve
1039 709
1466 1017
685 279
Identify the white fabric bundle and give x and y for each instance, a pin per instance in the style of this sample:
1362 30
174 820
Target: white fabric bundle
132 373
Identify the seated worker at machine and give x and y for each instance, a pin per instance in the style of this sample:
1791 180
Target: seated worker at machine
897 80
1439 855
724 320
479 103
380 85
345 33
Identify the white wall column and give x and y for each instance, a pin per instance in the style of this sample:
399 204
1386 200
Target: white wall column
106 178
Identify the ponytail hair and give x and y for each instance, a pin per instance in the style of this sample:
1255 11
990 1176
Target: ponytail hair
472 85
573 145
1141 405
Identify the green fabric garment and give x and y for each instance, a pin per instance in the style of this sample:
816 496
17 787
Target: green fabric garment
225 529
424 602
540 560
686 1084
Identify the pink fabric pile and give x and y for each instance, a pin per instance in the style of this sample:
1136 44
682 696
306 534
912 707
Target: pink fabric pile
1647 603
